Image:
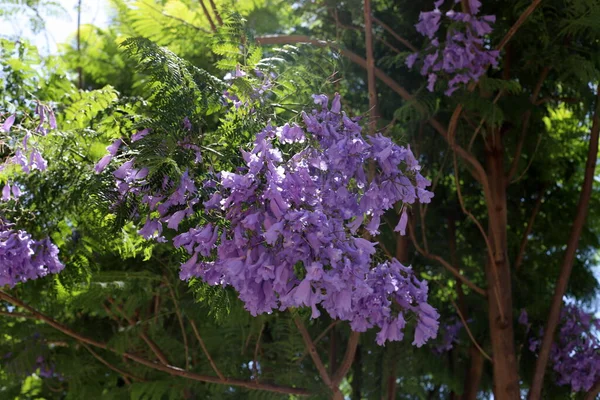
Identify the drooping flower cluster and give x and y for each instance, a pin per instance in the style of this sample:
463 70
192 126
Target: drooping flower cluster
464 56
259 91
293 217
450 335
575 355
22 258
170 203
25 152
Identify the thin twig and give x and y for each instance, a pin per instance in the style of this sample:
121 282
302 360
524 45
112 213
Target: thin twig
483 353
394 34
208 17
216 11
125 374
528 229
444 263
153 346
468 213
181 325
525 125
206 353
256 348
16 314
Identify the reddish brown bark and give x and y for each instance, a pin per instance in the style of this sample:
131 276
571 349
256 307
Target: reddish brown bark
506 380
567 265
474 373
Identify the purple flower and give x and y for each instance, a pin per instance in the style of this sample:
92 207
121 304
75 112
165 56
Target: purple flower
101 165
114 147
429 23
139 135
401 227
411 59
6 193
8 123
187 125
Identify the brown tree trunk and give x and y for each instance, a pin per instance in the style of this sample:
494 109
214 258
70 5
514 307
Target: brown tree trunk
535 392
474 373
506 379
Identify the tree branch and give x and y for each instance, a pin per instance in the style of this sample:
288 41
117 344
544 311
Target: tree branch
445 264
216 11
153 346
174 371
460 315
513 29
312 350
525 239
181 325
525 125
394 34
125 374
593 393
347 360
567 265
373 112
208 17
16 315
206 353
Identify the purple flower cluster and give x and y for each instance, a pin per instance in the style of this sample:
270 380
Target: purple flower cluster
26 154
449 338
259 89
23 258
463 57
292 221
575 355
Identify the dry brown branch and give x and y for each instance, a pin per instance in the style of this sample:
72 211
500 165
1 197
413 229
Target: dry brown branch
16 314
153 346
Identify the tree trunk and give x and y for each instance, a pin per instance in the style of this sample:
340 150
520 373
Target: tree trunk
474 373
357 375
506 379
